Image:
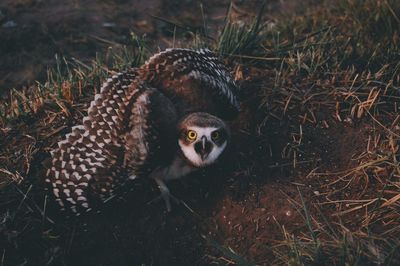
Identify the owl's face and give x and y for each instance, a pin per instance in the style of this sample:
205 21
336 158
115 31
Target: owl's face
202 138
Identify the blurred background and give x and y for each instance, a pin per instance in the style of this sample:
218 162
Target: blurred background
32 32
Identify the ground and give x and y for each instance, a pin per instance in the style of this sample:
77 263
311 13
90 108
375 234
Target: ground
312 175
82 29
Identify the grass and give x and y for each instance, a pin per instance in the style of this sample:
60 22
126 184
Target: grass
330 71
71 80
342 66
236 37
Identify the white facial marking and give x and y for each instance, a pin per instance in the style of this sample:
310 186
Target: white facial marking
193 156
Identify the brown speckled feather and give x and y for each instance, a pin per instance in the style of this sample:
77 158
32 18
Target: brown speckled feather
194 80
118 139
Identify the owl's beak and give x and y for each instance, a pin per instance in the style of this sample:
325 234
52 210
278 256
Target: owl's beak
203 147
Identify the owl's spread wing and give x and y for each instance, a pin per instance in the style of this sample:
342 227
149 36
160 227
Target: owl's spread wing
130 127
122 136
194 80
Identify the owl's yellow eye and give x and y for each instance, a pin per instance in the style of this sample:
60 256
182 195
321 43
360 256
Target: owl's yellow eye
215 135
191 135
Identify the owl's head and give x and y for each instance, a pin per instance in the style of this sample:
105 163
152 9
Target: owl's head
202 138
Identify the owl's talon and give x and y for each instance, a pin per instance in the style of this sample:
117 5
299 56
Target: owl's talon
165 195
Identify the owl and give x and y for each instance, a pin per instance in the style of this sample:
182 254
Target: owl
162 121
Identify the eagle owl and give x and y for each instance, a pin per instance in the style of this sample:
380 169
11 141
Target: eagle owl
163 120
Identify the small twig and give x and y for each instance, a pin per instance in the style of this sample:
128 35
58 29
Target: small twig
349 201
3 257
290 164
189 208
55 131
23 199
253 57
354 209
383 126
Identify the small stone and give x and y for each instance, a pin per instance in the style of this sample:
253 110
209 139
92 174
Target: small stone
9 24
108 24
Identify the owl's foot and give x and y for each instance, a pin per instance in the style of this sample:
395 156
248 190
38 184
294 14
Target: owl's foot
165 195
